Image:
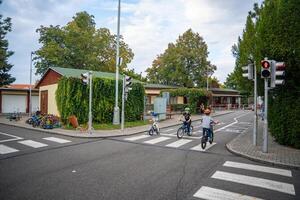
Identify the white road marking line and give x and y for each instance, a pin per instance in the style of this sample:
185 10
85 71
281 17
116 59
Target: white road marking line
199 148
137 137
179 143
58 140
190 137
157 140
217 194
171 129
235 121
232 130
257 182
258 168
33 144
5 149
14 137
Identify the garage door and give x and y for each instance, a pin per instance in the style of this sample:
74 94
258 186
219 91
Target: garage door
35 103
13 103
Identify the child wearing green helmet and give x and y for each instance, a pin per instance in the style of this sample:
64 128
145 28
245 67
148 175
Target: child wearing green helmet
186 118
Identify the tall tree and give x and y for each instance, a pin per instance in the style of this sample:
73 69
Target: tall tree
183 63
80 45
5 27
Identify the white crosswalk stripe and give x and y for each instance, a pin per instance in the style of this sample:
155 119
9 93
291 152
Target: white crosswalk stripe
58 140
178 143
5 149
33 144
211 193
199 148
257 182
157 140
258 168
137 137
217 194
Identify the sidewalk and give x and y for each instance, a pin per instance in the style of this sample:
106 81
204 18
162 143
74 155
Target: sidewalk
277 154
104 133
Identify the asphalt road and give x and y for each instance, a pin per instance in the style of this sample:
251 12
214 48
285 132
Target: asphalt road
138 167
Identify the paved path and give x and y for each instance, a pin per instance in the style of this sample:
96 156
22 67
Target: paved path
105 133
277 154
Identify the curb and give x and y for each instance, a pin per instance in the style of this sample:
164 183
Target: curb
273 163
89 137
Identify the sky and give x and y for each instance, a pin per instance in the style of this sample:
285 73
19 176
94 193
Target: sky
146 25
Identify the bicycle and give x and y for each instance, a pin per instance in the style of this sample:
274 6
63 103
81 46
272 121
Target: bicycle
154 127
204 138
184 129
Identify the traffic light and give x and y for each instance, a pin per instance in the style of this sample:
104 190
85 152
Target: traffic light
248 71
266 68
85 78
278 73
128 82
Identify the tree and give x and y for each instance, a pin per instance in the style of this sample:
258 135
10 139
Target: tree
273 30
80 45
183 63
5 27
213 82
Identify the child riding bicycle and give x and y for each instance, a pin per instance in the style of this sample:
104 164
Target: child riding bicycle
186 118
207 123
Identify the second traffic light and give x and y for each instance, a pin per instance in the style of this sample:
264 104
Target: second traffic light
266 68
248 71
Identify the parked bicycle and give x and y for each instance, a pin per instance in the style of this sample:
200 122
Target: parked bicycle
154 127
184 130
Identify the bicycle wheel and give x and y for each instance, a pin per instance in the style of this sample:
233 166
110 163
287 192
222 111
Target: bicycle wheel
203 142
212 137
191 131
180 133
150 132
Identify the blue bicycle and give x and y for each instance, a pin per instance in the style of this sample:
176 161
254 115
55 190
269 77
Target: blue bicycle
184 129
204 138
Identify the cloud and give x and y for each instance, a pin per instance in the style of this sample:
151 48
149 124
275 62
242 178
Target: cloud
147 26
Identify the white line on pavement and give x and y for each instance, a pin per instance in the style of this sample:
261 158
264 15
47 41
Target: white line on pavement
257 182
157 140
258 168
58 140
199 148
179 143
235 121
5 149
8 140
33 144
191 137
171 129
217 194
137 137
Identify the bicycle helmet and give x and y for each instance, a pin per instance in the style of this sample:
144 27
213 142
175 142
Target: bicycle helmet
187 109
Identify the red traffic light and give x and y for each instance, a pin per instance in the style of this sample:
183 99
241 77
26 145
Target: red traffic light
265 64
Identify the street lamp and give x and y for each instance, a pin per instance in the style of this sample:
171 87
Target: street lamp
30 82
116 119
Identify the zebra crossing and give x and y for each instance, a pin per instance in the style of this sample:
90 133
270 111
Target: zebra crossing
44 142
215 193
167 140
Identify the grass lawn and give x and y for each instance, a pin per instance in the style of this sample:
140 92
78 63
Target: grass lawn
110 126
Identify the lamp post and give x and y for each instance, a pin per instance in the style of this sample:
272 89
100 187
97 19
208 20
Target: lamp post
116 119
30 82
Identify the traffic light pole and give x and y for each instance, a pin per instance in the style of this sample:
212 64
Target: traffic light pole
123 105
265 133
116 119
90 103
255 106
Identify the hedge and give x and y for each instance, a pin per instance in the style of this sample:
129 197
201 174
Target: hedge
194 96
72 98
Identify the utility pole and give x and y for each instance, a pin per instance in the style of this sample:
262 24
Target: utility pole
30 83
90 102
255 106
123 104
116 119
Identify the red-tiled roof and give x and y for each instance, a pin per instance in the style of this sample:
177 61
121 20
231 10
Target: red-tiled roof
18 86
